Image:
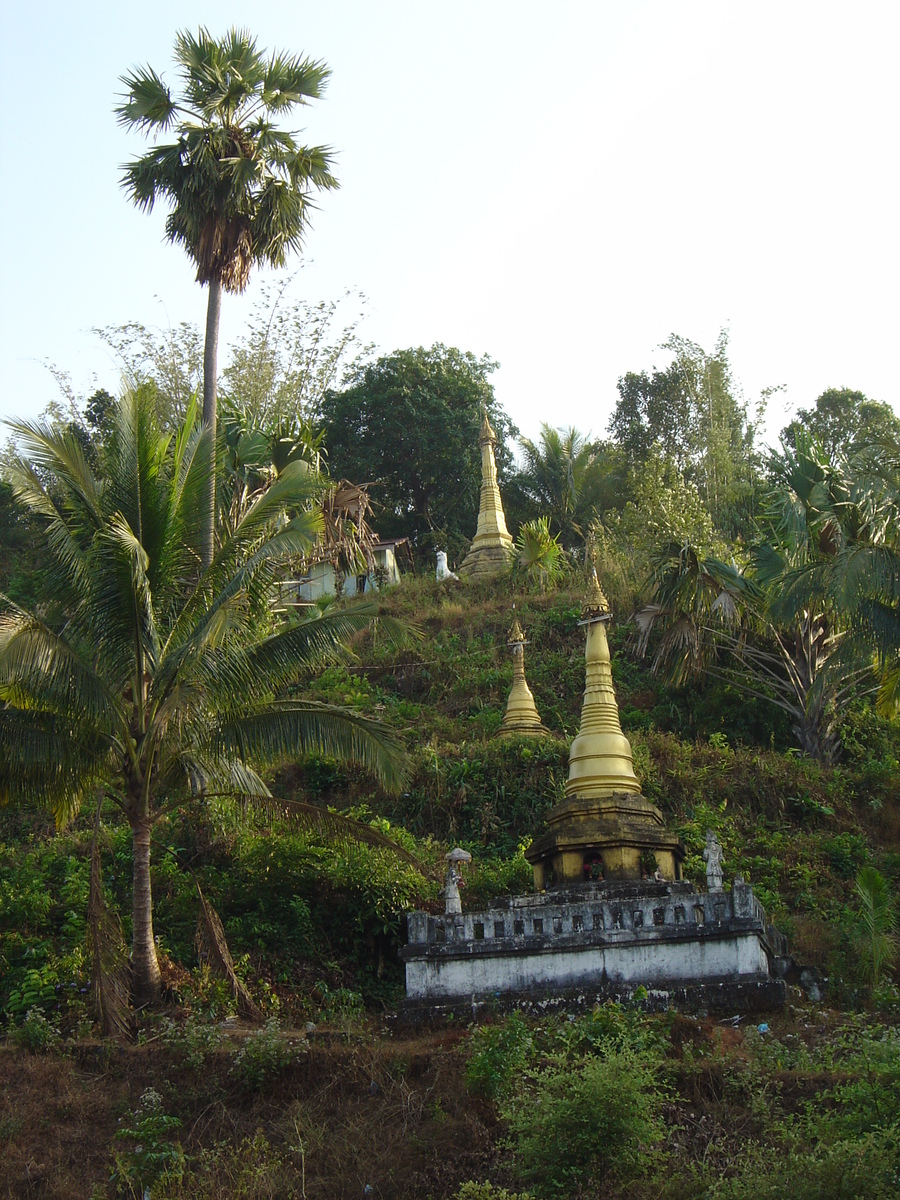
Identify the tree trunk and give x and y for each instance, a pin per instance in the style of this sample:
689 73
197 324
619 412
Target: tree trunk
210 375
817 739
147 982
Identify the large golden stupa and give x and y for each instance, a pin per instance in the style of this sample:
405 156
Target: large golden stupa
492 545
604 826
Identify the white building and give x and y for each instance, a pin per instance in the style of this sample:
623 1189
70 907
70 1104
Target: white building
384 572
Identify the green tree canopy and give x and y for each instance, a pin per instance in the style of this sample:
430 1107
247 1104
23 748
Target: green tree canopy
840 418
569 479
785 627
409 423
692 414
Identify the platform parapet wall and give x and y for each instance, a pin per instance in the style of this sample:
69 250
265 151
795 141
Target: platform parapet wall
648 934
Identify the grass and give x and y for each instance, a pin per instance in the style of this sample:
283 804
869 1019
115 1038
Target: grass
404 1114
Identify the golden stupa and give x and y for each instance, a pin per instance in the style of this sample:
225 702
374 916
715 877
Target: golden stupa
492 546
604 824
521 718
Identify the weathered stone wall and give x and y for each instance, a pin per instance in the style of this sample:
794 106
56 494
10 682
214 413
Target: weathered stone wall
649 934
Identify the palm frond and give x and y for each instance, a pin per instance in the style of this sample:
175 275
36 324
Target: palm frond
59 452
334 827
877 918
287 728
296 484
49 761
212 949
40 670
148 103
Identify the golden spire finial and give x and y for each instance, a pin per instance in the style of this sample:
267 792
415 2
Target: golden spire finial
487 433
596 606
515 634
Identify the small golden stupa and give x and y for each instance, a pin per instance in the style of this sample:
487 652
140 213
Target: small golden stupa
492 545
604 824
521 718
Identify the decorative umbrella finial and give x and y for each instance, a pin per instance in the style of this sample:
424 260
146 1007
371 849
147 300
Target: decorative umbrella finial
596 606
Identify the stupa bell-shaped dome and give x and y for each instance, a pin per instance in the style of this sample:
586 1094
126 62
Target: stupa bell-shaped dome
521 718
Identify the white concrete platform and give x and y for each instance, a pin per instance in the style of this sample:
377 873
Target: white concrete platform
597 936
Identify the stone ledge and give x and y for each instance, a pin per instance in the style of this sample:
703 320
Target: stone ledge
720 997
525 945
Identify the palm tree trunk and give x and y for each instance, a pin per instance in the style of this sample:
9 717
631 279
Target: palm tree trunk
210 375
147 981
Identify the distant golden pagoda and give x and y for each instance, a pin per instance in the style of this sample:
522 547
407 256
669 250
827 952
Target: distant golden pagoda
521 718
604 823
492 546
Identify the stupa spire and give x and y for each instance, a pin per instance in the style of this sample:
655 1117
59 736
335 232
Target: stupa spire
600 759
521 717
492 544
603 818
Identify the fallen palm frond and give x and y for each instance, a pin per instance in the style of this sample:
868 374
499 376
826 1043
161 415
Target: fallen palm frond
110 970
212 949
347 539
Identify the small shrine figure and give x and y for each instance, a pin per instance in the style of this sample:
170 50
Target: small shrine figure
713 858
454 860
442 571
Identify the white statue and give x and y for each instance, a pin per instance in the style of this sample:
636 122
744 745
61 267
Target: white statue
712 856
443 571
454 860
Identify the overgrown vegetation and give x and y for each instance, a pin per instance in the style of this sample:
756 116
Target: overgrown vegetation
164 674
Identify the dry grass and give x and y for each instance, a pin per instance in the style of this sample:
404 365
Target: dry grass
365 1109
391 1114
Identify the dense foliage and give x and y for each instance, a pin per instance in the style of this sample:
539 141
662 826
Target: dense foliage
408 423
147 679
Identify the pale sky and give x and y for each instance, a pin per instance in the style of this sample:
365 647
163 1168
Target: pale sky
559 186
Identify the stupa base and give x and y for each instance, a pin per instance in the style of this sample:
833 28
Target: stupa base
622 835
484 561
599 939
530 729
724 998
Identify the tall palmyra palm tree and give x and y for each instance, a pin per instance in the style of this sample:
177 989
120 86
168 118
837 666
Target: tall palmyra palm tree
146 677
238 188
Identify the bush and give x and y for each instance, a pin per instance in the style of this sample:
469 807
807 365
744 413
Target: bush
147 1153
250 1171
573 1128
487 1191
868 1100
500 1055
264 1055
195 1041
36 1033
866 1169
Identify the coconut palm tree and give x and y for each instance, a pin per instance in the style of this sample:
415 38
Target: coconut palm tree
238 188
143 675
568 478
